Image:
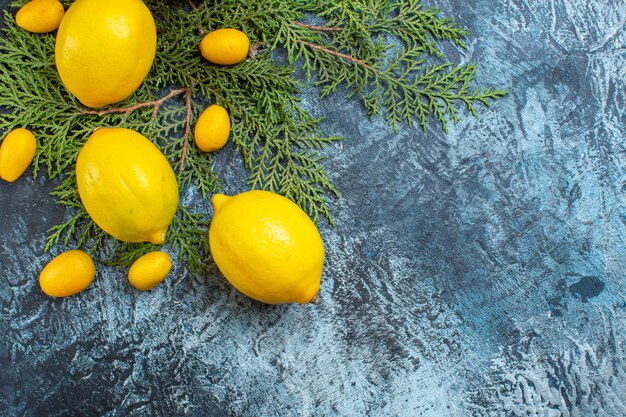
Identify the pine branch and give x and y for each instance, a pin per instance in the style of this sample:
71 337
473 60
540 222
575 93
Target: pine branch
403 87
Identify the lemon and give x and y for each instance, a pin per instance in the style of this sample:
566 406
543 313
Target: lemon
149 270
40 16
16 153
212 128
67 274
126 185
225 46
267 247
104 49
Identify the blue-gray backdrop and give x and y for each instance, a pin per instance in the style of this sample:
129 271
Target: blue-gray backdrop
479 273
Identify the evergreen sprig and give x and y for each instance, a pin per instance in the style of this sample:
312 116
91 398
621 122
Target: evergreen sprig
389 54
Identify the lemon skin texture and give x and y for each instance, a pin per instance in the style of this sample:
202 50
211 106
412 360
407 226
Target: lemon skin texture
40 16
104 49
16 153
212 129
225 46
267 247
67 274
126 185
149 270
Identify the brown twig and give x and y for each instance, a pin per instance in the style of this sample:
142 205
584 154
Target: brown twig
155 104
320 28
335 53
254 49
193 5
187 129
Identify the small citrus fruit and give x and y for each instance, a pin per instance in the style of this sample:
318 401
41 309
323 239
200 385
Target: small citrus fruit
267 247
40 16
212 128
149 270
67 274
16 153
225 46
104 49
126 185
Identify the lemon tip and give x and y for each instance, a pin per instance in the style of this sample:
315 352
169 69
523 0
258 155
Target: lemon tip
219 200
157 237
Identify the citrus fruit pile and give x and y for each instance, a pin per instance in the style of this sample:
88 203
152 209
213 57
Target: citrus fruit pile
262 242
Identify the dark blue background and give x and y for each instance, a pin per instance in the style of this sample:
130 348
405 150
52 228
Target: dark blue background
479 273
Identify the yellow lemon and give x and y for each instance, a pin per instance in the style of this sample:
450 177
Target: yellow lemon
149 270
225 46
16 153
40 16
67 274
126 185
104 49
267 247
212 128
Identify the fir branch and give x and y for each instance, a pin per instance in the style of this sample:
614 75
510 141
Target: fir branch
401 86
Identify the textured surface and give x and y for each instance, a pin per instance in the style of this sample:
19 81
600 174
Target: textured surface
480 273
